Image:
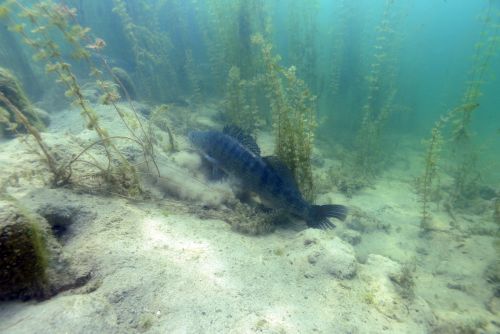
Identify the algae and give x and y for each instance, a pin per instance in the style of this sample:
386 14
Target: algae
11 88
23 254
125 84
294 119
426 182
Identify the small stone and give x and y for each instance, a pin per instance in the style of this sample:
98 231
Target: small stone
351 236
327 254
340 259
313 258
37 265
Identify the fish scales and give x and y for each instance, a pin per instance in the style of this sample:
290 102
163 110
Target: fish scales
231 155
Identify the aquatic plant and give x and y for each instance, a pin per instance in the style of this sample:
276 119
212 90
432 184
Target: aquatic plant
193 78
301 43
48 19
292 108
248 220
60 174
485 49
342 9
126 87
234 100
13 57
368 153
214 31
151 49
466 173
240 103
12 91
58 18
349 178
226 29
425 183
380 97
159 117
405 280
363 163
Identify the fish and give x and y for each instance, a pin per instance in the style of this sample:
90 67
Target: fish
238 155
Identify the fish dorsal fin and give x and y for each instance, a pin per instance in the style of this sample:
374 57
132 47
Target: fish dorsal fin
281 168
242 137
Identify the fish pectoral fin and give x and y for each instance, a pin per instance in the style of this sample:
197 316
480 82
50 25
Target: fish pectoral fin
210 159
217 173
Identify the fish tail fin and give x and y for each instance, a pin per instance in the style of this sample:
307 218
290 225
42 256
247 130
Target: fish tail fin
319 215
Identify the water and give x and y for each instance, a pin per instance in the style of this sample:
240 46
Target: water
387 107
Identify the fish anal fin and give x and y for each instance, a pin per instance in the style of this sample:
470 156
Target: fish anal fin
216 173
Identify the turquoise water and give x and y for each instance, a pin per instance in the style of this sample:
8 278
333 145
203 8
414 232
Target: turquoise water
388 107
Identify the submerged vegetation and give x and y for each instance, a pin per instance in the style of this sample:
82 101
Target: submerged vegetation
292 109
362 101
426 183
467 174
46 20
363 165
260 74
12 93
461 149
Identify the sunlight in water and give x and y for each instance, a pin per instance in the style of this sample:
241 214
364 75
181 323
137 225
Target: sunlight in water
184 251
166 166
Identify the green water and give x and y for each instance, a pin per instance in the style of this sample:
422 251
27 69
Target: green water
424 54
351 95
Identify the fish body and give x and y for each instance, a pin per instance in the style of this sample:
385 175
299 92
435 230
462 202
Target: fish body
238 155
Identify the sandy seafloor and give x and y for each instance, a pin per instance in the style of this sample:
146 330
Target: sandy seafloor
172 264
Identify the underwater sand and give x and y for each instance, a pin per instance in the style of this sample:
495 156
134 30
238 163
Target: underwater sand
162 266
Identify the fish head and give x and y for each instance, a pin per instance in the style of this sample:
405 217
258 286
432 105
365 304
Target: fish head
203 141
200 139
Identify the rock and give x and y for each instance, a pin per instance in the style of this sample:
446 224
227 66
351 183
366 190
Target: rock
23 253
61 217
389 288
256 322
62 211
487 192
327 254
32 263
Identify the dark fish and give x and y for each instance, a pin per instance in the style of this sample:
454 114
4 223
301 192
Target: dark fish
238 155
